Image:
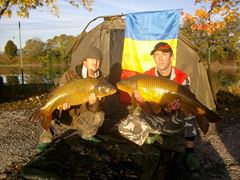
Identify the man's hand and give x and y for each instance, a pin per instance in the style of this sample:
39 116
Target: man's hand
145 106
64 106
92 98
137 96
174 105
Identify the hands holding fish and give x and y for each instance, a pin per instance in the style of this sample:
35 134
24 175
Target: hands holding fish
172 106
92 98
137 96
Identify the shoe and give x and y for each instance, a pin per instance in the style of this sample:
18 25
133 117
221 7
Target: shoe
192 162
93 139
152 139
42 147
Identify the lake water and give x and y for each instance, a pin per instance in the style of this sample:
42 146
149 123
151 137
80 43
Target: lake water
31 75
36 75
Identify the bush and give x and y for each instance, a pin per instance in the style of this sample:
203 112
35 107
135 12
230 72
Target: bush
10 49
12 80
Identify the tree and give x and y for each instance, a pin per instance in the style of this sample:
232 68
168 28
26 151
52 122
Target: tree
58 47
22 7
10 49
213 15
224 44
57 50
34 47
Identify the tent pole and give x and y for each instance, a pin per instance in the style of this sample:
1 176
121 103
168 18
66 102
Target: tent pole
119 15
209 73
20 43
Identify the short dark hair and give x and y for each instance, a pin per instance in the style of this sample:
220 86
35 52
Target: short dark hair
162 46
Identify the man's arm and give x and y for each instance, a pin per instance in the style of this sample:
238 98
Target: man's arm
67 76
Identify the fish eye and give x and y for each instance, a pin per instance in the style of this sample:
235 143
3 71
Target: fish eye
102 89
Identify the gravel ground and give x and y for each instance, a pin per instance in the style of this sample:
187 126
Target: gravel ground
218 151
18 136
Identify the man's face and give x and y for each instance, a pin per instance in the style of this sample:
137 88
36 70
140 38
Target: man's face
92 64
163 60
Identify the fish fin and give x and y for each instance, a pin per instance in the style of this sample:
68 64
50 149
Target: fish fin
203 123
156 108
134 102
40 116
210 115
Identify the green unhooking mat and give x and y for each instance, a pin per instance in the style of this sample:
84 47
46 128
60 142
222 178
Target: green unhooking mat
70 157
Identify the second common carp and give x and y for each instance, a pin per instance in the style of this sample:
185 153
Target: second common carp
161 91
75 92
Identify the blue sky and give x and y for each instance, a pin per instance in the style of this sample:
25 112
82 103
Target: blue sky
43 25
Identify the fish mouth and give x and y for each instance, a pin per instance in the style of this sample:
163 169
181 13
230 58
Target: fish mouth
105 89
106 92
120 86
110 90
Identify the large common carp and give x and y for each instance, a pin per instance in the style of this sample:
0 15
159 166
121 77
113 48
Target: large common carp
161 91
75 92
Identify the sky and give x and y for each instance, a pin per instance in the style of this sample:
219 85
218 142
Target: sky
71 21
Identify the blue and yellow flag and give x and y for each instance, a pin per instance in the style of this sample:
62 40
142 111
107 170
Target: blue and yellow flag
142 32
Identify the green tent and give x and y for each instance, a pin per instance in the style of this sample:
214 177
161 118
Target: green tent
109 36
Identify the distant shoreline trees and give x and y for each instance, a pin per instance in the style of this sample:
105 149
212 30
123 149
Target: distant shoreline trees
10 49
53 55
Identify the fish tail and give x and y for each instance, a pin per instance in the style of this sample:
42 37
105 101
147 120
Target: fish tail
212 116
43 117
204 116
203 123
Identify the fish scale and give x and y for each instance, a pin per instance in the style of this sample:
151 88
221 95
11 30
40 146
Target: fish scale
73 93
153 89
160 91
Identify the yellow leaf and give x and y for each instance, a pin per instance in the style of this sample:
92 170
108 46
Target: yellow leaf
8 13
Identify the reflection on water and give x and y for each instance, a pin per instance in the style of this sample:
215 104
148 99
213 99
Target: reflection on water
31 78
32 75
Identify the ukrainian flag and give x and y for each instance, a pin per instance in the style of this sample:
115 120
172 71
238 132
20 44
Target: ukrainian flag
143 31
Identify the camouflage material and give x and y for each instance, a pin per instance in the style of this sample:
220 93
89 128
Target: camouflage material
137 128
173 142
173 123
190 125
87 124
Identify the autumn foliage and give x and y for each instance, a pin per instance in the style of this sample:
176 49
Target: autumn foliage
22 7
213 15
210 15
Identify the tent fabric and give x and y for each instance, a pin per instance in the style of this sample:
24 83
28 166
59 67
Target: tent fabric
189 61
109 36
